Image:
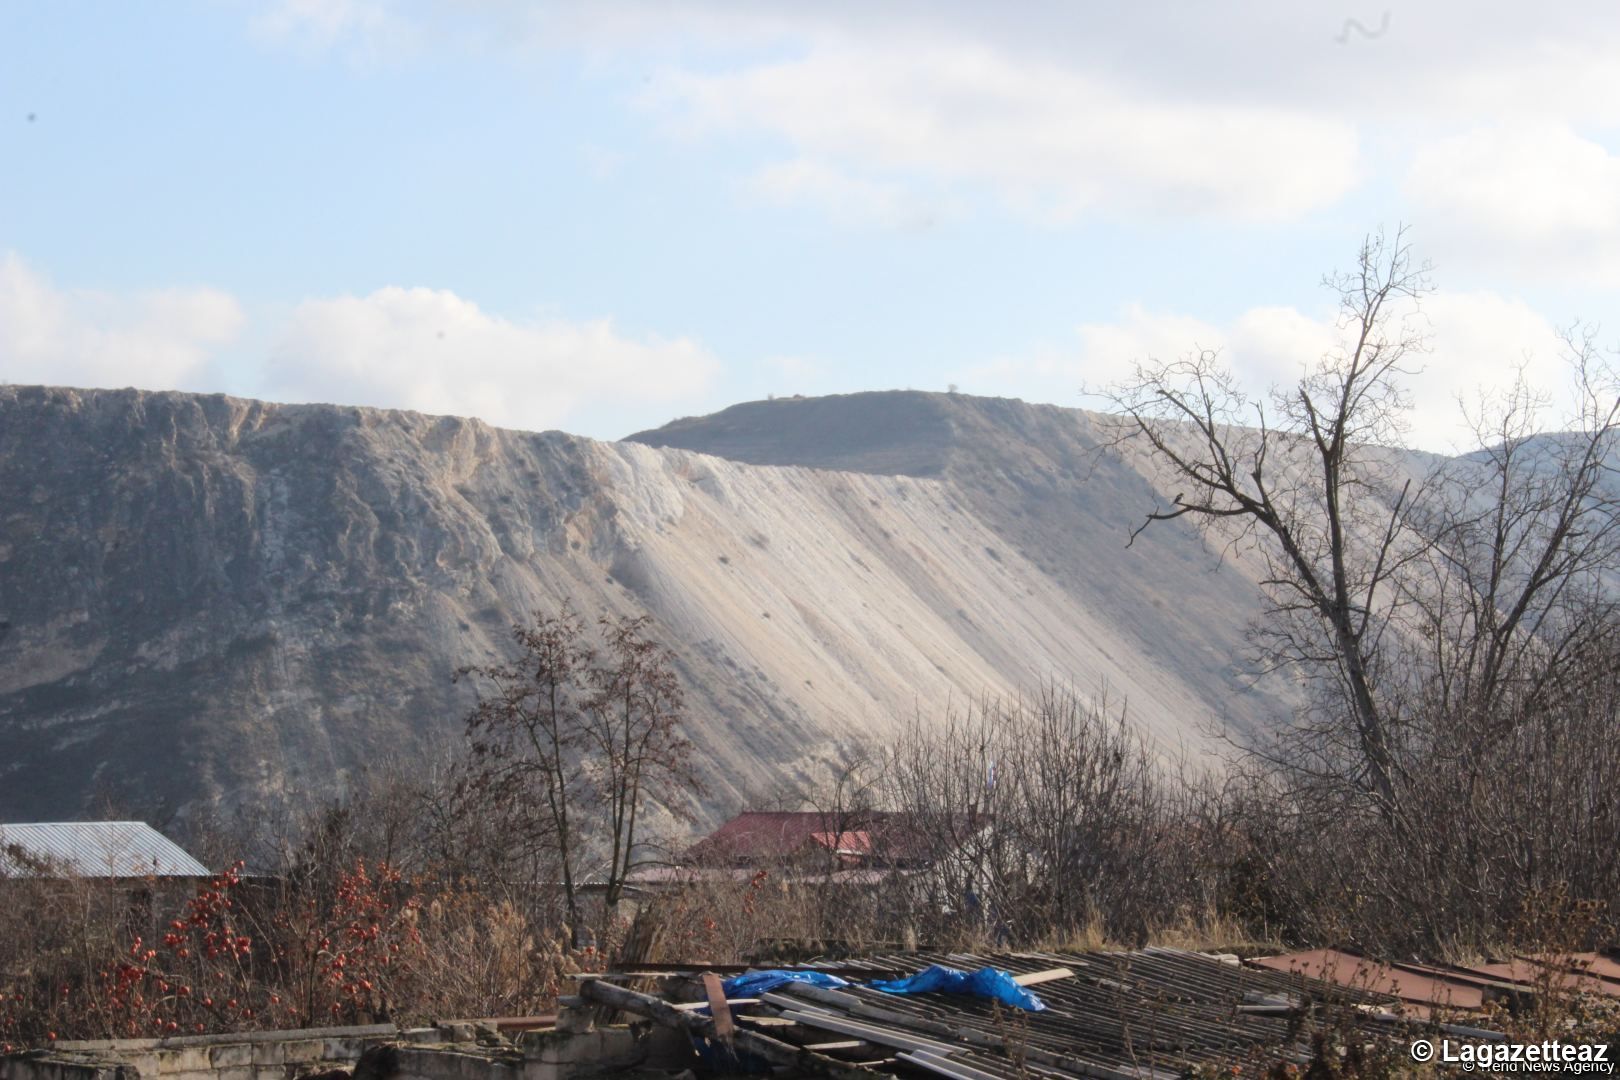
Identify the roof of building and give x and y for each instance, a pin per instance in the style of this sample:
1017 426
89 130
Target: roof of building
1155 1014
651 877
760 835
852 842
99 849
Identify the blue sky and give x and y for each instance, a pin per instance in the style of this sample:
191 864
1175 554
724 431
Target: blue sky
601 216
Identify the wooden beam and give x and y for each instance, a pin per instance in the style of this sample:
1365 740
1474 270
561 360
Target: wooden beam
689 1006
724 1026
1035 978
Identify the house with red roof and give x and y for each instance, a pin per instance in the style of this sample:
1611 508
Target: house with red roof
809 847
811 840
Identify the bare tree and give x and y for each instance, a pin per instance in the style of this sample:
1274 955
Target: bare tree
1526 531
636 750
1457 621
1306 482
528 730
1039 818
572 738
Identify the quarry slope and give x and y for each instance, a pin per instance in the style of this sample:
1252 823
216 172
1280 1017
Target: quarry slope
212 600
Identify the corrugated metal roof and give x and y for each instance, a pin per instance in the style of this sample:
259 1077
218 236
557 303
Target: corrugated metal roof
1155 1014
116 849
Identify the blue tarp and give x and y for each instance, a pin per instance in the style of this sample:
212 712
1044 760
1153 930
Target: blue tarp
987 982
755 983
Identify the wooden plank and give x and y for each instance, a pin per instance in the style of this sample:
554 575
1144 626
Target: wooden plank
1035 978
847 1044
724 1026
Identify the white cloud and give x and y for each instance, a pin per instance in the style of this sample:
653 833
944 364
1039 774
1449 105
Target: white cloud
433 351
1052 140
368 29
1561 69
843 196
1276 345
1480 340
160 339
421 349
1251 111
1141 334
1531 196
1444 59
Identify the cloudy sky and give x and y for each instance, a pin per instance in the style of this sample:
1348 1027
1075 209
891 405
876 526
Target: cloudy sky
601 216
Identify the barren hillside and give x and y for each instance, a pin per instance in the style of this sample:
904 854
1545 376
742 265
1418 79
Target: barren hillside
207 598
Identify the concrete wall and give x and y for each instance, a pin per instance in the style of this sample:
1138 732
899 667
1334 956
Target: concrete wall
452 1052
260 1055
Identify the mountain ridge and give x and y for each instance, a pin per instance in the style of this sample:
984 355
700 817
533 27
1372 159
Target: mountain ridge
217 600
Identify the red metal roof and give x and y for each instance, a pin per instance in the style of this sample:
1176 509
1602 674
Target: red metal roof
855 842
758 836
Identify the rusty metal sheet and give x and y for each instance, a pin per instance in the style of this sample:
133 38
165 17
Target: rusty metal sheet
1428 990
1532 974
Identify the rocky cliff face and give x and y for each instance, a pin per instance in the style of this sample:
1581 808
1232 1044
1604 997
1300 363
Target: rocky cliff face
204 598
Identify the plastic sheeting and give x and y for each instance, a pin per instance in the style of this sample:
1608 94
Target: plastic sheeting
755 983
992 983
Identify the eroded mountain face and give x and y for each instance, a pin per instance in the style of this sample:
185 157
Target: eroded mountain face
209 599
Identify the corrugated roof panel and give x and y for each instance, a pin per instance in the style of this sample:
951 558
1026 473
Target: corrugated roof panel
117 849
